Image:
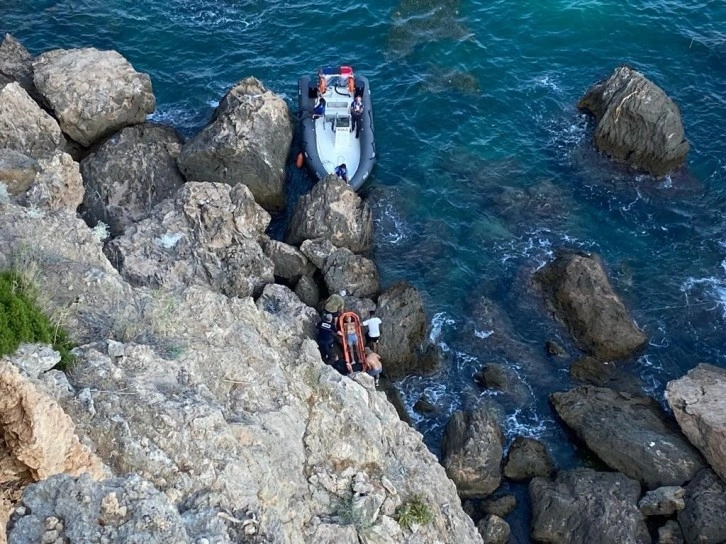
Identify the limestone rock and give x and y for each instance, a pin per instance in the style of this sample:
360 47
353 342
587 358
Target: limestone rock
318 250
34 359
16 63
494 530
582 505
578 291
25 127
206 235
92 93
296 319
129 174
636 122
663 501
501 506
702 519
57 185
307 291
698 401
403 328
290 263
126 509
471 450
630 434
335 212
247 142
355 274
528 458
670 533
17 171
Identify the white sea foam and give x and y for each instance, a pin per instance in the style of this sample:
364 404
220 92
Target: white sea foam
391 229
525 423
482 334
437 324
714 288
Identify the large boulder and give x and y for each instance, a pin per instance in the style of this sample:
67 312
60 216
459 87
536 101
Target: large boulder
636 122
290 263
207 235
589 370
25 127
92 93
698 401
403 328
129 174
17 171
578 291
295 320
57 185
247 142
630 434
702 519
67 509
583 505
16 64
334 211
352 273
528 458
471 452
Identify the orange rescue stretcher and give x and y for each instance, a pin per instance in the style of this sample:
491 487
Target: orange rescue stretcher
358 352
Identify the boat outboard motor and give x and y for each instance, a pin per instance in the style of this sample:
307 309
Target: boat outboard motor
360 86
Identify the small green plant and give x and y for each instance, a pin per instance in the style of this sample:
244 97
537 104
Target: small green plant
415 511
22 321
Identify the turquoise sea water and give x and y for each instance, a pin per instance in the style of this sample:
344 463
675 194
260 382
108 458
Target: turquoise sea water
485 166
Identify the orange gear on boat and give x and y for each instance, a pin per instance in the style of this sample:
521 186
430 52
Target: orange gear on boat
300 160
351 85
322 85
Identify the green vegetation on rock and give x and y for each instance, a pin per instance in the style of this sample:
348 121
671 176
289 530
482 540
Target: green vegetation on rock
21 321
415 511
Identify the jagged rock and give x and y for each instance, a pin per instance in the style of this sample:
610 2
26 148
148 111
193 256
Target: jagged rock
345 271
34 359
25 127
361 306
471 452
604 374
630 434
17 171
528 458
37 439
237 420
206 235
129 174
494 530
583 505
125 509
424 405
670 533
290 263
636 122
702 520
698 401
335 212
578 291
57 185
403 328
318 251
296 320
246 142
663 501
16 63
502 506
307 290
92 93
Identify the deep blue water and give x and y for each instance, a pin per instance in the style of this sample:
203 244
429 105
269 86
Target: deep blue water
485 166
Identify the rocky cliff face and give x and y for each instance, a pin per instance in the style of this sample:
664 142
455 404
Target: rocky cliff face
233 419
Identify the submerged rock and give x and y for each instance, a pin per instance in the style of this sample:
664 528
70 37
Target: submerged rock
636 122
528 458
92 93
578 291
246 142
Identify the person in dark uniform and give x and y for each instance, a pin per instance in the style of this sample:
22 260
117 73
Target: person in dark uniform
342 172
326 336
356 114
